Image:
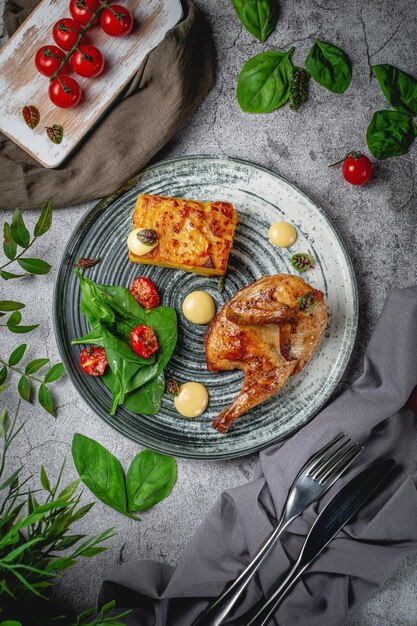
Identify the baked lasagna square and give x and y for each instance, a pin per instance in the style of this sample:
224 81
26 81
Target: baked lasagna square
192 236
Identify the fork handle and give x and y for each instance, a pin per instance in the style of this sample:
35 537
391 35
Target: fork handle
221 607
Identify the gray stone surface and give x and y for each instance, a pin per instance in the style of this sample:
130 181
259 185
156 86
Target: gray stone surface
378 223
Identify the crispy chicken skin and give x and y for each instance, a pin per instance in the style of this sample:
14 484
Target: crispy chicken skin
263 332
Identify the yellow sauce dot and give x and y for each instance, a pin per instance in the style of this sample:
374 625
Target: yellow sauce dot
192 400
282 234
199 307
136 246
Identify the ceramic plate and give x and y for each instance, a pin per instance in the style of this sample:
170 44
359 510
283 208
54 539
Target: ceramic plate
261 197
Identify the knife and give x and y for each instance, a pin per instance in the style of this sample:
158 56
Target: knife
337 512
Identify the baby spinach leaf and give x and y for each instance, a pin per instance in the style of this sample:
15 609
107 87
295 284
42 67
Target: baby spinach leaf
264 82
101 472
390 133
150 479
94 303
146 400
259 17
329 66
399 88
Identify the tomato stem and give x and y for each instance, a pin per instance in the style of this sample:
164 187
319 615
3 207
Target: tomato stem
355 154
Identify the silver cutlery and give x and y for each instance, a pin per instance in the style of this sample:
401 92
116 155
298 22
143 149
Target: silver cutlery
336 514
316 477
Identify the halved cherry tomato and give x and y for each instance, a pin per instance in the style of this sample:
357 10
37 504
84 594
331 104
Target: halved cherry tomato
93 361
82 10
116 21
65 92
145 292
66 32
357 168
48 59
143 341
87 61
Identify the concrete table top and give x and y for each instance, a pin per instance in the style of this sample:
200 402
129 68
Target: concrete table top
378 223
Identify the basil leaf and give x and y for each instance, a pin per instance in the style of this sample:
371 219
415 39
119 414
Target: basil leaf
20 233
34 266
399 88
10 305
45 399
54 373
100 471
264 82
9 244
24 388
45 219
389 134
329 66
259 17
17 354
35 365
150 479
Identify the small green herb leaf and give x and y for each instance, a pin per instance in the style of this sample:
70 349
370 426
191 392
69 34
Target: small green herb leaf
4 420
298 87
3 374
399 88
9 245
17 354
35 365
45 399
34 266
54 373
150 479
172 387
389 134
301 261
10 305
329 66
24 388
19 231
3 388
307 303
55 132
14 319
221 283
9 276
259 17
21 330
264 82
45 219
31 115
45 480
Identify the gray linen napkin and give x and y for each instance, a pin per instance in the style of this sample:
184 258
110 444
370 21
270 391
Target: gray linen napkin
358 560
167 88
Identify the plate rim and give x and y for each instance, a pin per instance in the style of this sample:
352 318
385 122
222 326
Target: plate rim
89 214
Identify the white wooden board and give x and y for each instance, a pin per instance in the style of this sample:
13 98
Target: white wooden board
21 83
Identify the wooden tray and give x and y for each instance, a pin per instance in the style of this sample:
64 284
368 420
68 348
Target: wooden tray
21 83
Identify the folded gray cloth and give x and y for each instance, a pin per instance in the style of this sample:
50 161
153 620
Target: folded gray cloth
358 560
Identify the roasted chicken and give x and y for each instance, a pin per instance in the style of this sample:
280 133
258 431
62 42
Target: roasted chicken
269 329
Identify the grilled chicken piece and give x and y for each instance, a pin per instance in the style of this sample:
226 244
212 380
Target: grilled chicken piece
270 330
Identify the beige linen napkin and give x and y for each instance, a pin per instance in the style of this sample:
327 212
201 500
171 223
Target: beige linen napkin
168 86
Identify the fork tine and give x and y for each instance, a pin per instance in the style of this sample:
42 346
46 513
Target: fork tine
327 459
342 465
317 458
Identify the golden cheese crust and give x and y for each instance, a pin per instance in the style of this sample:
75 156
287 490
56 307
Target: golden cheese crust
192 236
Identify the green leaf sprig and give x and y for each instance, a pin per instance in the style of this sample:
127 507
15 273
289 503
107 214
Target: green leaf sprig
259 17
27 378
150 477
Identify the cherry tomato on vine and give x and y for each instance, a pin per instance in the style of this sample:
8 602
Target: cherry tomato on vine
357 168
145 292
65 92
116 21
143 341
93 361
66 32
48 59
82 10
87 61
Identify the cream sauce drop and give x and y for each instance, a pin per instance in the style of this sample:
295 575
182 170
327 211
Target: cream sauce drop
192 400
199 307
136 246
282 234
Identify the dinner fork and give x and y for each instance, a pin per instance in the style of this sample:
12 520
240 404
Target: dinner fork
316 477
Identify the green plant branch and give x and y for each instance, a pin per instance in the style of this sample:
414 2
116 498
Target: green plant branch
18 371
20 254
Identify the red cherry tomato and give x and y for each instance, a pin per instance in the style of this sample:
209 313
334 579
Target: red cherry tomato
93 361
87 61
66 32
357 168
116 21
82 10
143 341
145 292
48 59
65 92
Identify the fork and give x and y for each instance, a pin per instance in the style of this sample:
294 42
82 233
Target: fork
316 477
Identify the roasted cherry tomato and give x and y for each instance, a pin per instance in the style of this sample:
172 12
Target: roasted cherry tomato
48 59
65 92
143 341
93 361
116 21
66 32
357 168
145 292
87 61
82 10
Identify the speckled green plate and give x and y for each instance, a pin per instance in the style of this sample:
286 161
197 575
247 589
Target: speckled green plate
261 197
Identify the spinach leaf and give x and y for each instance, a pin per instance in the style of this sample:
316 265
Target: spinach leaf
146 400
329 66
399 88
264 82
95 303
259 17
150 479
390 133
101 472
